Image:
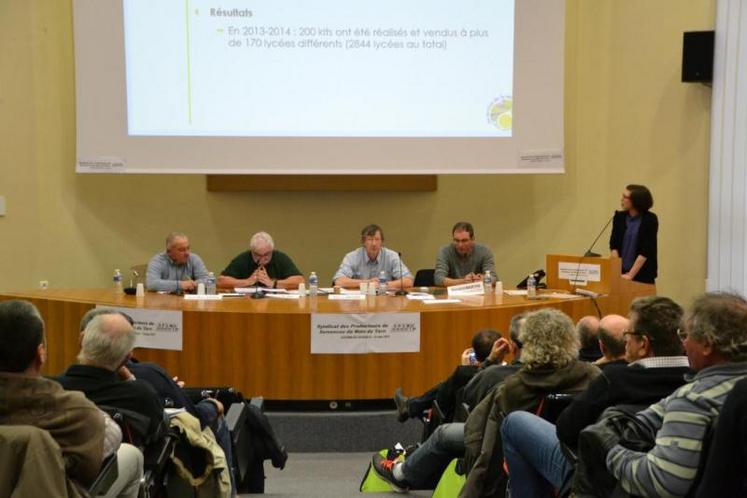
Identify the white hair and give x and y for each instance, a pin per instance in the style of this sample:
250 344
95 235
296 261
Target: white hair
173 236
260 238
107 340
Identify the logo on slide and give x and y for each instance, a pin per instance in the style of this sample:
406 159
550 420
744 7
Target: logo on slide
499 112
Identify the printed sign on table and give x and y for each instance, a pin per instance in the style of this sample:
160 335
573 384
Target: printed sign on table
155 329
335 333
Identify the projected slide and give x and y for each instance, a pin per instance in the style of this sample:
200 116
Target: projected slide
319 68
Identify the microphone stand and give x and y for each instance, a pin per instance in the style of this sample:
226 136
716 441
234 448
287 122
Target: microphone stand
401 291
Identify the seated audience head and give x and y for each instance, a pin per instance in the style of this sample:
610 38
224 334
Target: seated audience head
715 330
588 331
611 338
372 238
513 332
463 235
177 247
549 339
107 341
482 343
22 343
261 246
654 321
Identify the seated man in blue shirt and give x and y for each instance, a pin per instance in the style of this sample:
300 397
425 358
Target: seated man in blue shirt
176 269
365 263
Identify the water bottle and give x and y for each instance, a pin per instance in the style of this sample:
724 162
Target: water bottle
382 283
117 279
531 287
313 284
210 286
487 282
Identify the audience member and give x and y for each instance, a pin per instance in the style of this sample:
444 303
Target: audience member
483 344
494 371
550 364
612 340
175 270
588 333
106 345
532 446
365 264
714 332
262 265
464 260
84 434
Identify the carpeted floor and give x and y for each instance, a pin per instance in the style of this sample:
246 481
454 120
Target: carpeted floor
322 474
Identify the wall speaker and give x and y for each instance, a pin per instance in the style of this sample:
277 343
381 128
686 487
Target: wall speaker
697 56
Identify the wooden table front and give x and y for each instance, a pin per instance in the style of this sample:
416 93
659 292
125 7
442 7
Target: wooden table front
263 346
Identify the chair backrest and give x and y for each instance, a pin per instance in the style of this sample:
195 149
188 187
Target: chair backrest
552 404
424 278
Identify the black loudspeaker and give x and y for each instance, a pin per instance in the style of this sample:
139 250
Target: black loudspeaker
697 56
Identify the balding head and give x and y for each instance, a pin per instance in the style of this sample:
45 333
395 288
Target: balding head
611 338
107 341
588 331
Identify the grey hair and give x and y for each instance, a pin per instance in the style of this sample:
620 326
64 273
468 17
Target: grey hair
549 339
173 236
721 319
105 344
260 237
94 312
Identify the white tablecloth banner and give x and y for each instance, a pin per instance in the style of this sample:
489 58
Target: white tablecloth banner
335 333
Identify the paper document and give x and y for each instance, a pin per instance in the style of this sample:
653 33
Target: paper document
420 296
203 297
516 292
441 301
284 296
346 297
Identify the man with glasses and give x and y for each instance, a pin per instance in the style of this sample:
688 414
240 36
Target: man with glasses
656 367
464 260
262 265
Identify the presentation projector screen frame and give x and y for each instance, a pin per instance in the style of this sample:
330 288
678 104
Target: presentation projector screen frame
104 144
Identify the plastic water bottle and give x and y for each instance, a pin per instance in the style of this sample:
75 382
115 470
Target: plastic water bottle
487 282
313 284
382 283
531 286
210 286
117 279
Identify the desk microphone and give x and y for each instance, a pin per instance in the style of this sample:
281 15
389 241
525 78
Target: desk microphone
401 291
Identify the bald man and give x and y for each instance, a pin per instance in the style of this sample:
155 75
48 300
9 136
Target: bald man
612 340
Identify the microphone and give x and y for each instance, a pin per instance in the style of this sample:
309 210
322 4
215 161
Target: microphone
589 253
401 291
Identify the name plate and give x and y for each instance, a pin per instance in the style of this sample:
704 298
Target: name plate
155 329
473 289
335 333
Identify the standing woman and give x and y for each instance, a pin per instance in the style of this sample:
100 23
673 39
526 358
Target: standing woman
633 238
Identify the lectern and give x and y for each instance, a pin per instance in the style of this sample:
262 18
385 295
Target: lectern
600 275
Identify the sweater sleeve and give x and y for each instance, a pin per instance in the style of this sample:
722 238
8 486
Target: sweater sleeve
647 236
669 468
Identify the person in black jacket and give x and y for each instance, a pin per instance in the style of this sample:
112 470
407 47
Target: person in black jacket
634 230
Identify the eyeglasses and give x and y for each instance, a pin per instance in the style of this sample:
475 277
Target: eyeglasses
636 333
